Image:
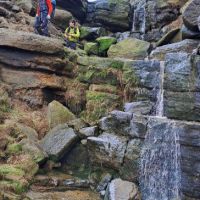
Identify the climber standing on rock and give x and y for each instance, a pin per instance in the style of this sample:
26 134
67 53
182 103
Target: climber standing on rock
72 34
43 15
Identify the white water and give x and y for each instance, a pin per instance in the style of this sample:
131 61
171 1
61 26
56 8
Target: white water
160 175
160 96
139 18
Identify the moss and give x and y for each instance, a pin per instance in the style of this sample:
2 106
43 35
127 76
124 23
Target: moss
91 48
98 105
10 170
14 148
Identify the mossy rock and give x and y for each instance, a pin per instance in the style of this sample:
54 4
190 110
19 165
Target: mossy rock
98 105
14 148
130 48
6 169
58 114
91 48
105 43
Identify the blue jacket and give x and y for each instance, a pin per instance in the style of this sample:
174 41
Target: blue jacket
53 2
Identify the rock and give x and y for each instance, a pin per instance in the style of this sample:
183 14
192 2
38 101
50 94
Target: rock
30 42
104 182
139 107
91 48
103 88
91 33
26 5
107 149
88 131
188 34
62 18
118 12
59 141
129 48
77 124
119 190
186 46
191 14
130 169
58 114
105 43
77 8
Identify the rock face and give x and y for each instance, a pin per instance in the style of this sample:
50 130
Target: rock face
130 48
191 15
118 12
77 8
59 141
119 189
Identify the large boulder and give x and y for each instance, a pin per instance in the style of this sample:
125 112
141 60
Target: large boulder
107 149
30 42
122 190
186 46
58 114
191 14
59 141
129 48
77 8
118 12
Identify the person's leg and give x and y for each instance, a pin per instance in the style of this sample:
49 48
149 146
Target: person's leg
37 25
44 25
53 12
73 45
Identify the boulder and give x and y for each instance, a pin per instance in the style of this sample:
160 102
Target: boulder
26 5
77 8
59 141
118 12
129 48
91 48
105 43
30 42
186 46
91 33
62 18
191 14
58 114
88 132
188 34
107 149
122 190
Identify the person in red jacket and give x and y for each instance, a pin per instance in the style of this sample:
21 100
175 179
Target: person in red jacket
43 15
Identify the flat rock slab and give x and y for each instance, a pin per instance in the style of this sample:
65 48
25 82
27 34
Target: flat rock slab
30 41
59 141
122 190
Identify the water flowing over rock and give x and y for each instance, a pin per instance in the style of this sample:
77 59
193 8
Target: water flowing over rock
160 162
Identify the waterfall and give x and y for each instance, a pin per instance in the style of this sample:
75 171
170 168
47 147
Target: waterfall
159 104
160 162
139 18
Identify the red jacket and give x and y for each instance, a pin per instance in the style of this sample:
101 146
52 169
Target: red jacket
49 5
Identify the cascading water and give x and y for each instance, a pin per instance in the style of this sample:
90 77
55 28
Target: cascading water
160 162
159 106
139 18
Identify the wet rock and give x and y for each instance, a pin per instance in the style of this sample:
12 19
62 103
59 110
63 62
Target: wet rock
59 141
119 189
186 46
88 131
129 48
191 14
58 114
30 42
130 169
107 149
